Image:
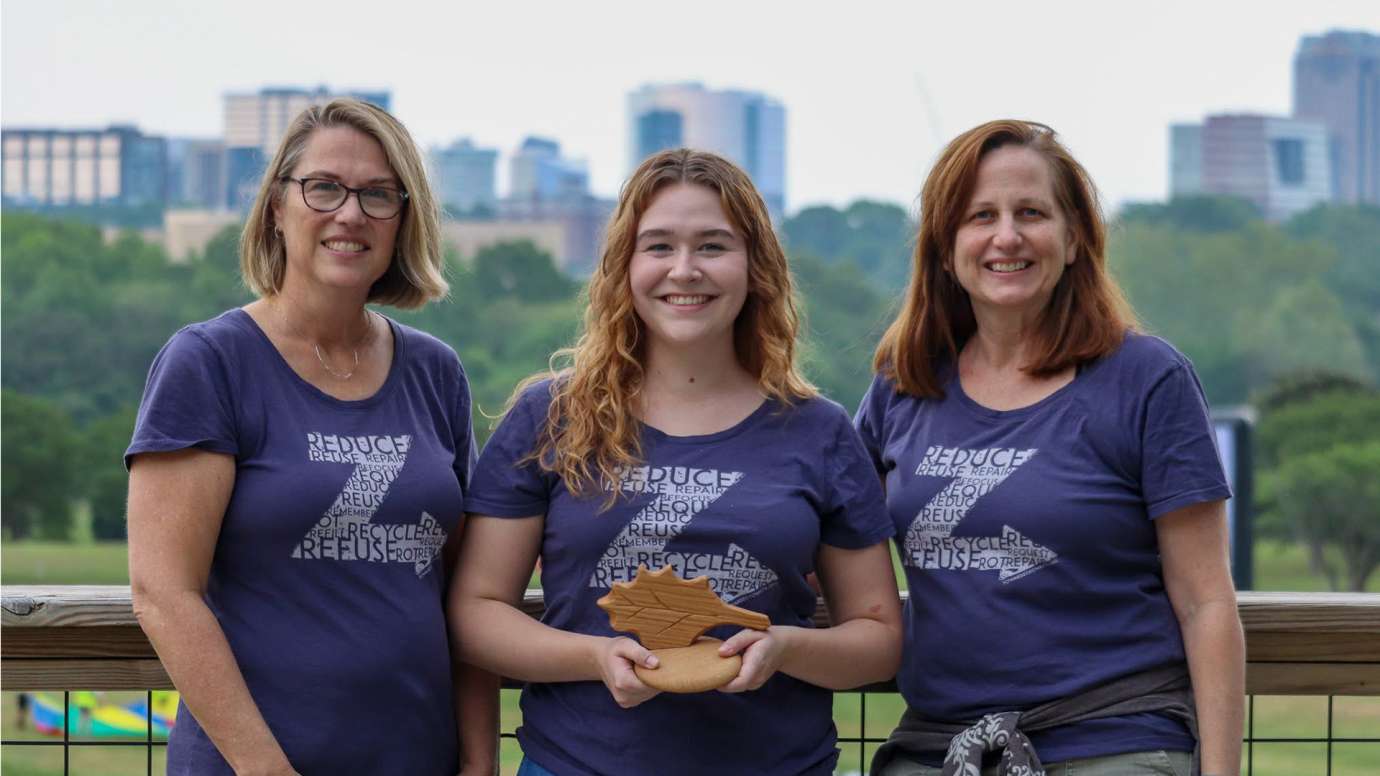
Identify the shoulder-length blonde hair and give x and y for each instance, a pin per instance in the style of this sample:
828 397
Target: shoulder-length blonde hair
592 431
414 276
1086 317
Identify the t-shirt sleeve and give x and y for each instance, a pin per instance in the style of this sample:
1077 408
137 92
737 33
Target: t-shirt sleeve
466 450
868 421
855 513
186 401
1179 461
505 483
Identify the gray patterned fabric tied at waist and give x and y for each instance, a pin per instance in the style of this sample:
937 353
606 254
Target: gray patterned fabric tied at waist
1164 690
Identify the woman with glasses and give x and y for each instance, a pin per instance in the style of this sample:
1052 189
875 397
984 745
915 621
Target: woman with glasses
297 476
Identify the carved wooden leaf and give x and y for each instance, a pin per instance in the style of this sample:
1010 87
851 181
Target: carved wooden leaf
667 611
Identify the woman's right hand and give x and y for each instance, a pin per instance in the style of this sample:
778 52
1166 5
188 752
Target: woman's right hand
616 658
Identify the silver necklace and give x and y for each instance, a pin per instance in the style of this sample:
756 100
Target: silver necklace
342 376
337 375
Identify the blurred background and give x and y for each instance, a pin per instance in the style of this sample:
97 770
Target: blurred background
1236 146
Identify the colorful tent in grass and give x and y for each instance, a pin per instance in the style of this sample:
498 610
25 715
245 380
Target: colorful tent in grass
89 715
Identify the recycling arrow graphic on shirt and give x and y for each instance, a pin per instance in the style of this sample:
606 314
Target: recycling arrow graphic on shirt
345 531
930 543
681 493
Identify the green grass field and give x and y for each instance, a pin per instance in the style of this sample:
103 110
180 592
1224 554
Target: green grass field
1277 567
54 563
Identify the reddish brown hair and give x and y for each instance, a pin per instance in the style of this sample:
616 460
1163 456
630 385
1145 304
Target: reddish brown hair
1087 316
592 431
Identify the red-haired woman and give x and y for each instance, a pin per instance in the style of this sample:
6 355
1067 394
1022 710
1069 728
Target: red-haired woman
1056 492
680 434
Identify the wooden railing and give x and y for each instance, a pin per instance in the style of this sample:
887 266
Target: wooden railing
86 638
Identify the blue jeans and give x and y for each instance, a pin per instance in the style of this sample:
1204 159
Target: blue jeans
529 768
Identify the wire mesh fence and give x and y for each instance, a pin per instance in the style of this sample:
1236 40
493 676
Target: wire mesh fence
1284 735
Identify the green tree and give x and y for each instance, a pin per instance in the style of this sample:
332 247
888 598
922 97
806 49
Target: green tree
104 480
215 277
1303 328
83 319
876 236
509 309
821 230
883 236
149 216
1304 386
1333 499
1352 234
1314 422
39 462
1228 300
1197 213
1318 450
844 316
517 270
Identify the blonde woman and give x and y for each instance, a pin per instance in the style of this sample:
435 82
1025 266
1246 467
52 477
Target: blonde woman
297 476
680 434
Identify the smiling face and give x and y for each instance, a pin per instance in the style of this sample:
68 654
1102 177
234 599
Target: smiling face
689 269
1013 242
342 249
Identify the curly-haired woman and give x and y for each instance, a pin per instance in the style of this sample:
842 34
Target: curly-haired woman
681 434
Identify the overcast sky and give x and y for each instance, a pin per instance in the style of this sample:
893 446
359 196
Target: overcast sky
872 89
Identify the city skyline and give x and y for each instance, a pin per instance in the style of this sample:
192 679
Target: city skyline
747 128
871 96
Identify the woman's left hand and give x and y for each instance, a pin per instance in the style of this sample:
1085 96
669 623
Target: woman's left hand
763 653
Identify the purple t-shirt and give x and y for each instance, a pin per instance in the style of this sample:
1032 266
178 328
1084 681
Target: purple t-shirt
1028 542
327 577
748 507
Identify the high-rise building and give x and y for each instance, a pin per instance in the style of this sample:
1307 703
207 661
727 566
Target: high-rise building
55 168
582 221
748 128
1185 159
261 118
254 125
1337 82
545 186
463 175
538 172
657 130
196 173
1279 164
188 231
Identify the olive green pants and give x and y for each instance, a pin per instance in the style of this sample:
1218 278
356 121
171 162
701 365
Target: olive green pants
1156 762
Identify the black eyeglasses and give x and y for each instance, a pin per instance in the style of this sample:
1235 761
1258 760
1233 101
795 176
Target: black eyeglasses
325 196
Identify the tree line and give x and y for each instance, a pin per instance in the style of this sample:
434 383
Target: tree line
1283 317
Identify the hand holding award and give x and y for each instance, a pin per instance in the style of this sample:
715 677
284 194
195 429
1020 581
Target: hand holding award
668 614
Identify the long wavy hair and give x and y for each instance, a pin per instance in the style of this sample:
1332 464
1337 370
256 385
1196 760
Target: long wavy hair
592 431
1086 317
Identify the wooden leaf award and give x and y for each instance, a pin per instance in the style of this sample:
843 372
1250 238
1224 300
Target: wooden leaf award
668 614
